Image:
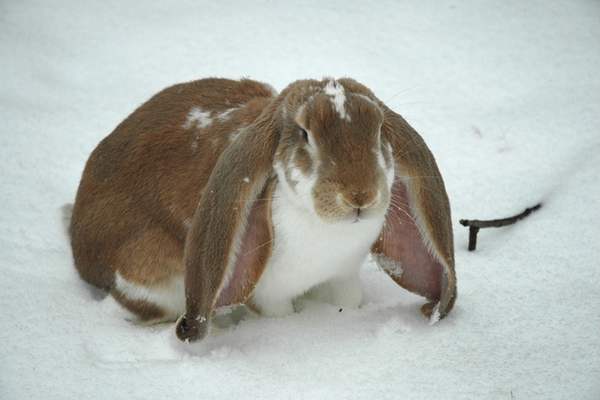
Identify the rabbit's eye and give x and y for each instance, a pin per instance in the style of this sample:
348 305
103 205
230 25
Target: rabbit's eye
304 135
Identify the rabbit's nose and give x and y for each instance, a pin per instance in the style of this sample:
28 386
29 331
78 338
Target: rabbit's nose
360 199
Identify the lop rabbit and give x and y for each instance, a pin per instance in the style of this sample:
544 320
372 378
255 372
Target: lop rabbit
219 192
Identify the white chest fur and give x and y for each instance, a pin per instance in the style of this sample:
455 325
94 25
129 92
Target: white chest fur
307 252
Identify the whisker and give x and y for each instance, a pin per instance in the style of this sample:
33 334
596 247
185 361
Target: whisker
399 208
403 91
418 176
258 247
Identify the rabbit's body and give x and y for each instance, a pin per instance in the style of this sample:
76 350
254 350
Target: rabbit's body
219 192
142 185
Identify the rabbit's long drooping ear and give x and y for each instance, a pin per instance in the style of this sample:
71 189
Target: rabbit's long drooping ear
229 242
416 245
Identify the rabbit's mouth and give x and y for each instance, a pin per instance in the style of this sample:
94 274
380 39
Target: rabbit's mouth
357 216
361 215
346 214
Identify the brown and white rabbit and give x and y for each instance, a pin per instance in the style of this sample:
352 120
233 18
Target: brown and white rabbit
219 192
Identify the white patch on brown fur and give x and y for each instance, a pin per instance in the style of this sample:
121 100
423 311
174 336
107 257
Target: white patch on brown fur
197 118
435 315
338 98
387 167
169 296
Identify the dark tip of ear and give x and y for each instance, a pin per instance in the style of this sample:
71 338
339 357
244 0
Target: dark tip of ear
427 309
191 329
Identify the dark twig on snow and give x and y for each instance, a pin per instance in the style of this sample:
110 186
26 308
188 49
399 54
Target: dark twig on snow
476 224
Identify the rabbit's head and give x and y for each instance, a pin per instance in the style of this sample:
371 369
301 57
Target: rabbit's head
331 158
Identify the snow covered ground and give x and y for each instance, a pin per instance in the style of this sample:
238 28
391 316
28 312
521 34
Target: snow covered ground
507 95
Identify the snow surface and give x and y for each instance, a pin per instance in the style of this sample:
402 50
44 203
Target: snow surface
506 94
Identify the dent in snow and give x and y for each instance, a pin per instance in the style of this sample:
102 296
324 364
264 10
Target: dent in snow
338 97
392 328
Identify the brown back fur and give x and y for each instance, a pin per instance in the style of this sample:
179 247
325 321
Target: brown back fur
143 182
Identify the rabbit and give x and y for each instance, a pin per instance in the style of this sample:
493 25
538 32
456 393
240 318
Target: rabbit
218 192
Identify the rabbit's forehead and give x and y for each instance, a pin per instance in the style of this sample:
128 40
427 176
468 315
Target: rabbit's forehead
323 112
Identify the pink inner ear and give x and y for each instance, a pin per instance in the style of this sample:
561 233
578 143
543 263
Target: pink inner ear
252 256
403 243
